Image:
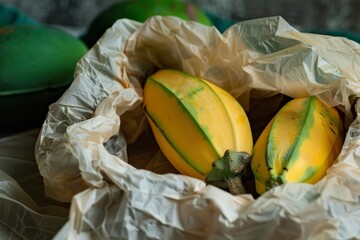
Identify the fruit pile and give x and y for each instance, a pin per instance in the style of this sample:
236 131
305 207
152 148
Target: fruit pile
205 133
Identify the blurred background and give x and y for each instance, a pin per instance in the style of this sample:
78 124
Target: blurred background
306 14
86 21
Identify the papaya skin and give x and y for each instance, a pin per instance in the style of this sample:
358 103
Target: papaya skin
194 122
298 145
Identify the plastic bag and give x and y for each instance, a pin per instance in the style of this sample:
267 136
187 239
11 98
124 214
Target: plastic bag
25 212
87 148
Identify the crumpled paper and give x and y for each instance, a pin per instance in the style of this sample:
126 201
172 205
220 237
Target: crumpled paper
85 150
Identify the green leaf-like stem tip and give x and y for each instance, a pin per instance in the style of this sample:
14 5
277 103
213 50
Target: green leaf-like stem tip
228 171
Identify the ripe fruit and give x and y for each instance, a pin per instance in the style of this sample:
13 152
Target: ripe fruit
299 144
194 121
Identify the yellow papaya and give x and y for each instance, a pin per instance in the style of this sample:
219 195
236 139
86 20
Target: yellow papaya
299 144
194 121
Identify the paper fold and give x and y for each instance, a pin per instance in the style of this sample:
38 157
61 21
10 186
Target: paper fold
255 59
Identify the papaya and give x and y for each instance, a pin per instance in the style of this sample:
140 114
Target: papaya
298 145
194 121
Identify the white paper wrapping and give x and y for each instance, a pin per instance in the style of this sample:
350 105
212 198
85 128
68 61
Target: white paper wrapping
83 156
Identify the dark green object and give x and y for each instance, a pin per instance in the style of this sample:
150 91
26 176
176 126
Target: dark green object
230 172
140 10
219 22
36 58
37 65
11 15
21 112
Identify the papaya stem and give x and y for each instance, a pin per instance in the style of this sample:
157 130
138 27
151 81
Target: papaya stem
229 172
235 185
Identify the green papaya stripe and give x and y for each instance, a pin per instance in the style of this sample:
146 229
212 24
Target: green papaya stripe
305 126
192 112
334 124
257 175
222 104
195 167
186 110
309 172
